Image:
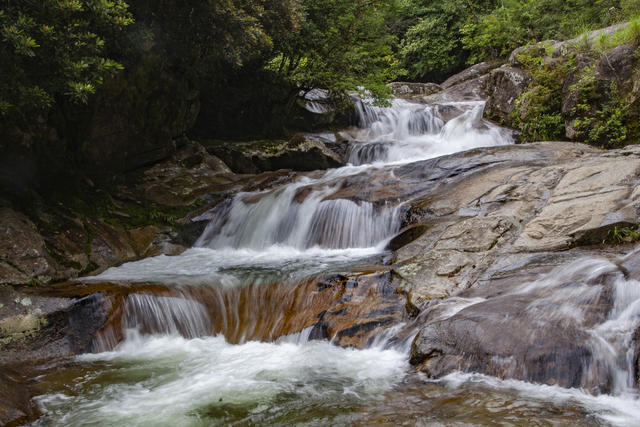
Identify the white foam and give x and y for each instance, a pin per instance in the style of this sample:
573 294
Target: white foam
621 410
169 380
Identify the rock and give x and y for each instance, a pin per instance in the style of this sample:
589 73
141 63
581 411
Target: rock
591 37
503 87
560 48
589 196
470 73
38 327
300 153
142 238
408 89
406 237
369 306
534 50
511 329
110 245
614 81
16 406
468 90
23 253
190 175
617 64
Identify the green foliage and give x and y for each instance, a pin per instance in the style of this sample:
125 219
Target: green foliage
55 50
432 44
601 120
538 111
621 235
341 46
518 22
439 38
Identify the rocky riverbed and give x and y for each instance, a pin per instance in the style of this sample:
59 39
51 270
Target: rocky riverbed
512 261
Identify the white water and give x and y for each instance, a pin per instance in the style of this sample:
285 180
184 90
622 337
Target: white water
169 380
613 410
566 296
411 132
237 267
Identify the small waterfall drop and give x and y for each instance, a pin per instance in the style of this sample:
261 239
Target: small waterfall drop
166 315
281 218
410 131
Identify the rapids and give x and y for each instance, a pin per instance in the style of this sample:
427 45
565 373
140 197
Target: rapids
224 333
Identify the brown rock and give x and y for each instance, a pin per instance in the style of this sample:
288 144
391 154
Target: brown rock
23 255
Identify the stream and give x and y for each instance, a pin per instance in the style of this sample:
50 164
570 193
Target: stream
224 333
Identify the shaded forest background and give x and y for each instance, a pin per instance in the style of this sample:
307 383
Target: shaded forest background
100 87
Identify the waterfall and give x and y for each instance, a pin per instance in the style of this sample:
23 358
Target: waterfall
410 131
303 214
149 314
153 314
399 121
277 218
239 328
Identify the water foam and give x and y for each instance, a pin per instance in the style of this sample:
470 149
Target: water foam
617 410
170 380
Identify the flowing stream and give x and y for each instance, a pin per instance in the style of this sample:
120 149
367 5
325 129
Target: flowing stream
226 337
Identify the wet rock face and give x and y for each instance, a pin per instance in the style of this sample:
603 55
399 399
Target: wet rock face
516 330
16 406
408 89
300 153
503 87
349 309
36 327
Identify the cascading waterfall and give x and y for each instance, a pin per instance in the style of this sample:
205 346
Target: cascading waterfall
293 217
278 218
410 131
568 294
224 337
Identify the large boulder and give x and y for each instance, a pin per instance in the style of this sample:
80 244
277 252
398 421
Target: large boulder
467 90
503 87
23 252
300 153
471 73
410 89
515 329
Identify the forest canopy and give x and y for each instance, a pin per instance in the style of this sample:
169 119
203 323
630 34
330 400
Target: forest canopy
64 61
62 50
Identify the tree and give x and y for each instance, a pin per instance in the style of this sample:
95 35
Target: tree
54 51
432 46
341 46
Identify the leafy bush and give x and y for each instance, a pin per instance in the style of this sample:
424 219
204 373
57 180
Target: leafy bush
538 111
55 50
